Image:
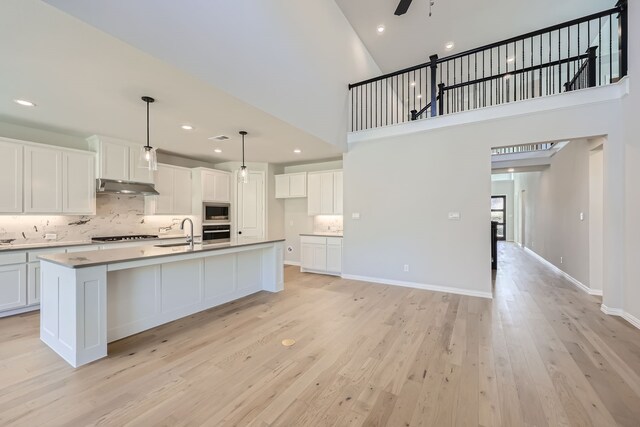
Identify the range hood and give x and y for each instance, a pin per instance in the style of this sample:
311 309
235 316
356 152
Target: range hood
125 187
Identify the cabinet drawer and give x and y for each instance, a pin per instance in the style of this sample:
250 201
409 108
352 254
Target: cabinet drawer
334 241
32 256
13 258
314 240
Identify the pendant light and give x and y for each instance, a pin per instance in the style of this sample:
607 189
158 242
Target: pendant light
243 173
148 159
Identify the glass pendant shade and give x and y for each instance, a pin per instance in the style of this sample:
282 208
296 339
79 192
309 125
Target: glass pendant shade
147 158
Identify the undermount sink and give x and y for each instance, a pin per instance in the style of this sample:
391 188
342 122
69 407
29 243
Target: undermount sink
171 245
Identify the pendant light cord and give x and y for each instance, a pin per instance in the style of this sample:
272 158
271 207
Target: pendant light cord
242 150
147 123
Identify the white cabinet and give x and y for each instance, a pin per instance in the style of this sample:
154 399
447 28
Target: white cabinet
78 183
33 283
174 185
11 170
118 159
291 185
13 286
42 180
324 195
58 181
215 185
321 254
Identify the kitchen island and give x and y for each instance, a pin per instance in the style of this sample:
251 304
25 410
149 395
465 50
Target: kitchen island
89 299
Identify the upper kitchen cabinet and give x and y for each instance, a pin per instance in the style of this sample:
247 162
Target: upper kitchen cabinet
118 159
174 185
42 180
324 193
11 171
78 183
291 185
211 185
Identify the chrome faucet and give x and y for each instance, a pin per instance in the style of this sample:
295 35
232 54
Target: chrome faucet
190 236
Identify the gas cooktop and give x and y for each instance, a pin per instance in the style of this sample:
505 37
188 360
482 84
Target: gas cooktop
124 238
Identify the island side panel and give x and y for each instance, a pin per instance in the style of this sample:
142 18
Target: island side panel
73 318
273 268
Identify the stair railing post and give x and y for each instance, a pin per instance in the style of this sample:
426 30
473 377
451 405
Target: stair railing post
623 36
440 99
434 68
591 66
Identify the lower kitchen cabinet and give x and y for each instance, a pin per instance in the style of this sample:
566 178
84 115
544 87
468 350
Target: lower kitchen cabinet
13 286
321 254
33 283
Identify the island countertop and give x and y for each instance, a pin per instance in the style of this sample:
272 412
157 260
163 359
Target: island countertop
116 255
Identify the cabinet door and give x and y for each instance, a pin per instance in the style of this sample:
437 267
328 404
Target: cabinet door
114 161
33 283
13 286
10 177
208 186
298 185
337 193
313 194
136 173
334 257
306 256
42 180
78 183
282 186
222 186
326 193
319 257
181 191
164 186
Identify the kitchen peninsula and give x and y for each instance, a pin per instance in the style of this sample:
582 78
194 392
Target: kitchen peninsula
92 298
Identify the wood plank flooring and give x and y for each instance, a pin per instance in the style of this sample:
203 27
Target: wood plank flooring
540 354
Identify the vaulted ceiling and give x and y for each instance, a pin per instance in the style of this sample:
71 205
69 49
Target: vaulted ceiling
411 38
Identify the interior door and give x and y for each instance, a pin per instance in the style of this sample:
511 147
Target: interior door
250 206
499 215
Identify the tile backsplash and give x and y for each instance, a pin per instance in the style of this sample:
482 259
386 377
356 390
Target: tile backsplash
327 223
116 214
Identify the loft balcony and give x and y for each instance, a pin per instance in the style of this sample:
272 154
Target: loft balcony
582 53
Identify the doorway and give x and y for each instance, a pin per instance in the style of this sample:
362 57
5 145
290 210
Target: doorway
499 215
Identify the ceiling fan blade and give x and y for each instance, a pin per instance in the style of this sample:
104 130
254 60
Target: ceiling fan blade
402 8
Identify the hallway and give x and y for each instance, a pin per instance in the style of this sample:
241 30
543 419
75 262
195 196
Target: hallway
541 353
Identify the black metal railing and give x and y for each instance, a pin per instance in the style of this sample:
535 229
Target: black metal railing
585 52
526 148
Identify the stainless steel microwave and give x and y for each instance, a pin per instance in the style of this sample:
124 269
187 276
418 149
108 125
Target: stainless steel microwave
216 213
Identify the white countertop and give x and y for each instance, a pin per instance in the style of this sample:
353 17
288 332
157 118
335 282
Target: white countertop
88 242
323 234
111 256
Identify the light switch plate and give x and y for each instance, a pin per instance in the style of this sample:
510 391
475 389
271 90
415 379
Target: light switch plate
581 216
50 236
355 215
454 216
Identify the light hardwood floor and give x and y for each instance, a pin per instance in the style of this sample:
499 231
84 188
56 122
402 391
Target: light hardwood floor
540 354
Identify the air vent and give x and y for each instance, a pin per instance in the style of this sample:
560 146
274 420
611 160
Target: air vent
219 138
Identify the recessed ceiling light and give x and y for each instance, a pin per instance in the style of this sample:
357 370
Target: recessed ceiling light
507 76
24 102
511 170
511 59
380 29
413 83
419 96
297 151
217 150
449 45
187 127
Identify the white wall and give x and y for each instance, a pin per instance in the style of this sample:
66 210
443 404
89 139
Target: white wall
596 215
395 183
296 219
505 188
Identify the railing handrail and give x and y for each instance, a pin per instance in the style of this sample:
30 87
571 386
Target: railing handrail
546 30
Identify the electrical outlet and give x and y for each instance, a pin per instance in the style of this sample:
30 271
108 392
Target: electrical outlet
50 236
406 267
163 230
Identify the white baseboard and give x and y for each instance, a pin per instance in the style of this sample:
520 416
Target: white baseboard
621 313
415 285
20 310
296 263
576 282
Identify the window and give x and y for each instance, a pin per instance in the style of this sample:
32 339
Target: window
499 214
